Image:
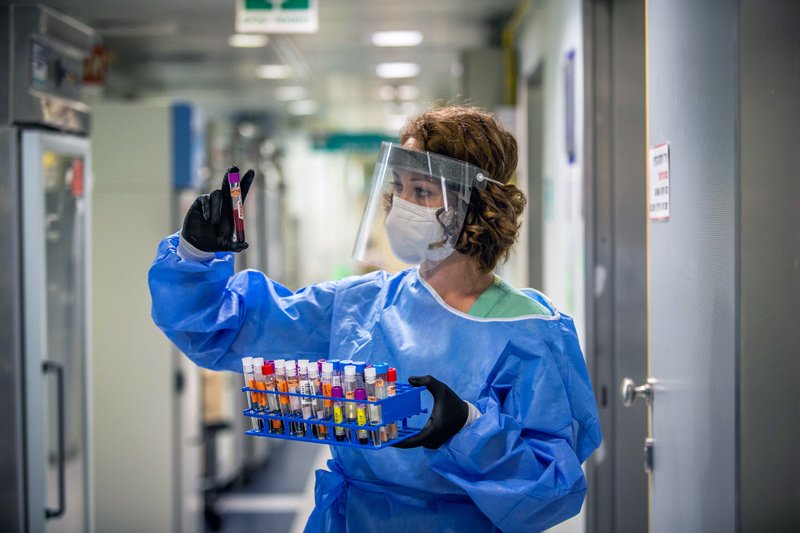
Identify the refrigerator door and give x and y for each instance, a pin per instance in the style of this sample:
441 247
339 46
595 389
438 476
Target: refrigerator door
55 212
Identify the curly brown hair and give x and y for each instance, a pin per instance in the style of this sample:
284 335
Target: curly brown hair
491 225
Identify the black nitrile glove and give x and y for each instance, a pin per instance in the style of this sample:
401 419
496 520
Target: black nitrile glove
208 224
448 416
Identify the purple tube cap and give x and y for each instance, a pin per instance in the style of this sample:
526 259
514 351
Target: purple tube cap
336 392
233 175
360 394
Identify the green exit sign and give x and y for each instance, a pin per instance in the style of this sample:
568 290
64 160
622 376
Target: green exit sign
276 16
277 4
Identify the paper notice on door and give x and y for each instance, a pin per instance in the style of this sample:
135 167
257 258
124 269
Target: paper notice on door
659 182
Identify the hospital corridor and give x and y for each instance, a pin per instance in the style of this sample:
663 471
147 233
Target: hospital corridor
353 266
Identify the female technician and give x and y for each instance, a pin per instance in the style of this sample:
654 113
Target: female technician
513 414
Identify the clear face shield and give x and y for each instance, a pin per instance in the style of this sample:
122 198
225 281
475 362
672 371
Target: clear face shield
416 208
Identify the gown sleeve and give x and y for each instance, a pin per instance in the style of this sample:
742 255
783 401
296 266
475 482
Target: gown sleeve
216 317
518 461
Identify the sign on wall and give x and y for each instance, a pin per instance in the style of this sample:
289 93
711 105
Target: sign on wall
569 106
277 16
658 163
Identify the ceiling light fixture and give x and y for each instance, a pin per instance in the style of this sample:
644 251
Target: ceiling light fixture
386 93
303 107
408 92
409 108
273 72
248 40
290 92
397 70
397 38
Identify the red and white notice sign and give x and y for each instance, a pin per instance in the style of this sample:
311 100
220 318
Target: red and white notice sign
658 164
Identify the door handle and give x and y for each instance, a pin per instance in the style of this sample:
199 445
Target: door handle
58 369
630 392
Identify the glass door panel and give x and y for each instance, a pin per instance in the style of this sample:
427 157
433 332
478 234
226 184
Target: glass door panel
65 224
55 255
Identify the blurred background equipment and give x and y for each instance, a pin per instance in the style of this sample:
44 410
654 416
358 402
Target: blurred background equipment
45 178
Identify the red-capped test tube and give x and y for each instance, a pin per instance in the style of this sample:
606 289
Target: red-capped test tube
238 205
391 390
268 371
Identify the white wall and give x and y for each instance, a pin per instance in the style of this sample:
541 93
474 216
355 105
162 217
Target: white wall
323 197
132 366
550 30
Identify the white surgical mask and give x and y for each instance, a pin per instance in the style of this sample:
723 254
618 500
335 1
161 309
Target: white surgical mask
412 229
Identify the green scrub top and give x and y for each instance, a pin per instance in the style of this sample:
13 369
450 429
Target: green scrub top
501 300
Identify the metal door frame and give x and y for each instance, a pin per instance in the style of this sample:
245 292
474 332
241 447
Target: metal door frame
12 443
615 215
534 161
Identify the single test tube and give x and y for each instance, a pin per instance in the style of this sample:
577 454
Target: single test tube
305 388
320 362
338 413
342 365
319 430
360 366
361 416
351 417
337 373
249 381
258 363
298 428
238 204
327 385
375 417
261 404
283 386
380 391
268 371
349 393
247 369
391 390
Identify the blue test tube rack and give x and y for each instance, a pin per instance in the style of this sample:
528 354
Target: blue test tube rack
395 409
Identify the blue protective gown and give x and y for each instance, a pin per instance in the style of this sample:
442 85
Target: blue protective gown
516 468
